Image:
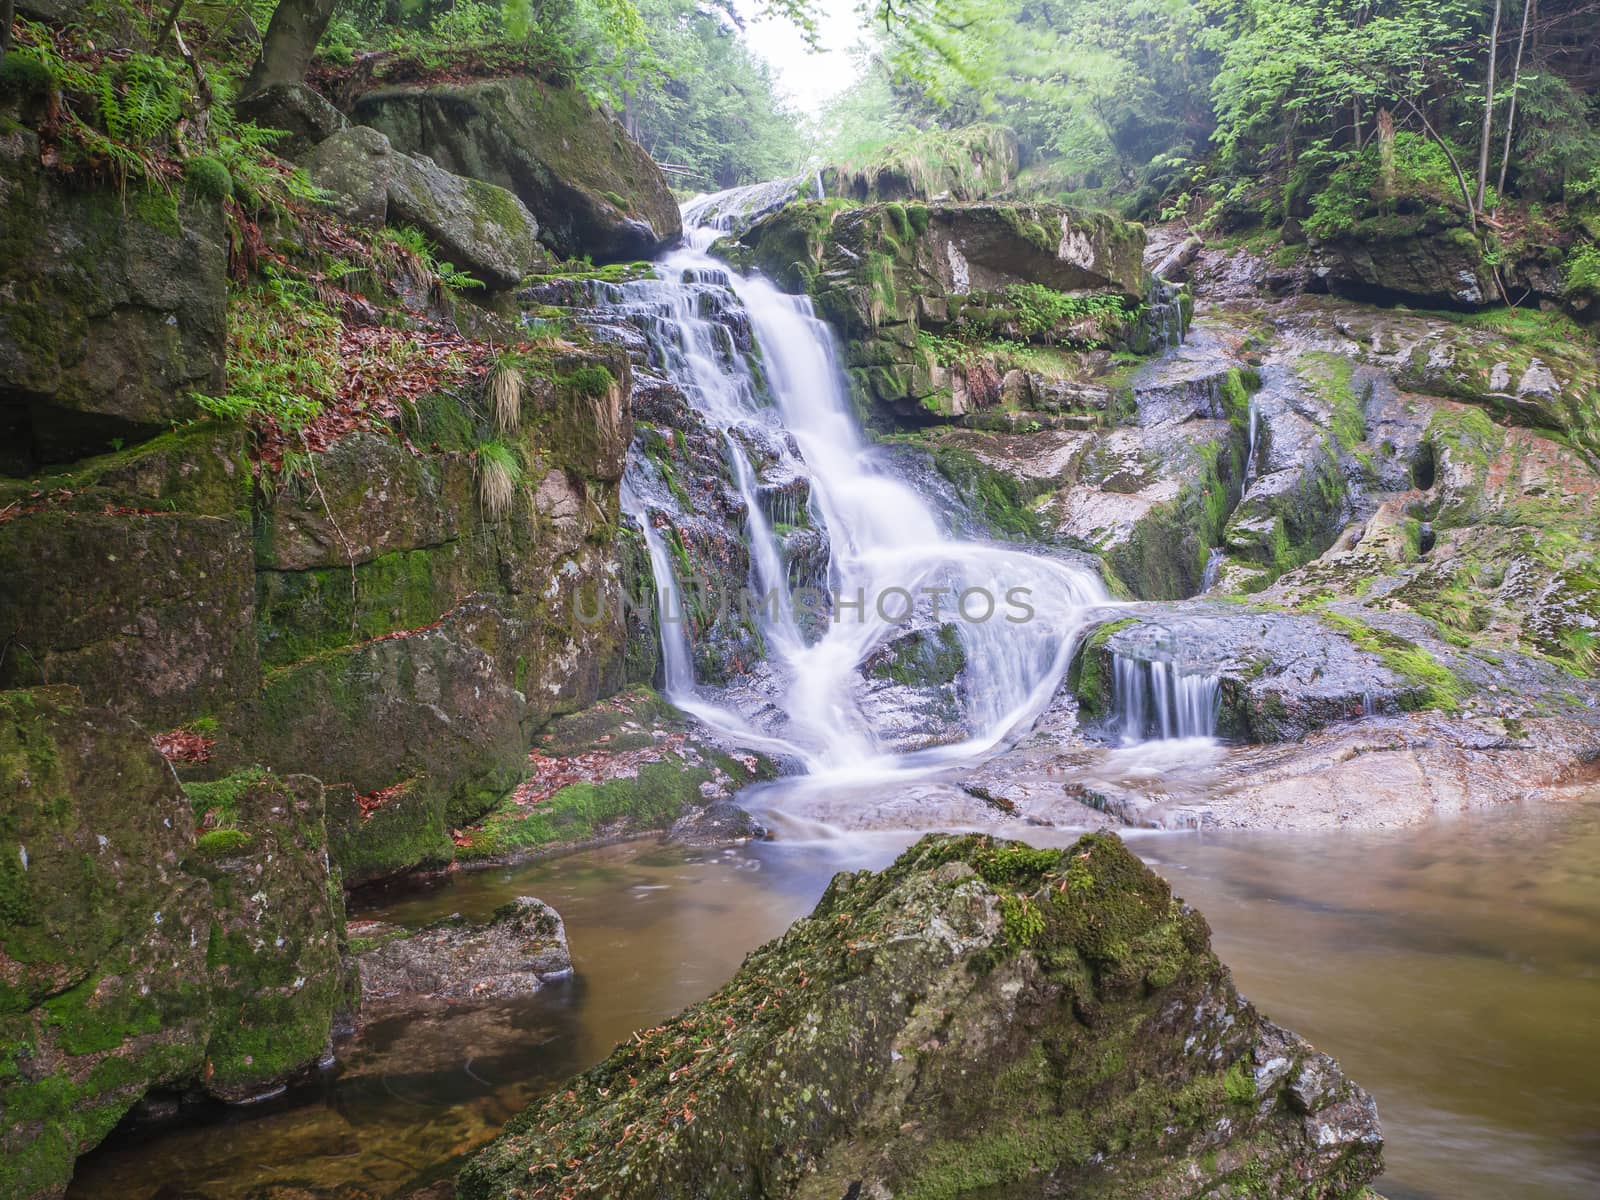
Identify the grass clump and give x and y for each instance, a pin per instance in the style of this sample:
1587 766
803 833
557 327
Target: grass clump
499 472
503 395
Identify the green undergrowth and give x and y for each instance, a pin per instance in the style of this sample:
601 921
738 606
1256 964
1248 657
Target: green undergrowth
214 803
1432 684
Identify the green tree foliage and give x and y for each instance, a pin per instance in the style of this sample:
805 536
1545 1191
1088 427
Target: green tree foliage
1247 108
709 109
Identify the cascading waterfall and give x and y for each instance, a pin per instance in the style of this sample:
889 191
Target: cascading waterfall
1155 698
1022 613
1250 453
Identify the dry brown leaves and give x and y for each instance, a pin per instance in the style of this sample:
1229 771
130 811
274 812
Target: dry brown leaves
183 746
551 774
371 802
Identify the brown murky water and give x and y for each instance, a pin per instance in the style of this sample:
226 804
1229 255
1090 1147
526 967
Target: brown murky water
1454 969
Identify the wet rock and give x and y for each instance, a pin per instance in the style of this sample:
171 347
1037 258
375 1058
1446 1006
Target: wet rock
1279 675
717 824
515 953
593 190
883 274
112 310
925 1022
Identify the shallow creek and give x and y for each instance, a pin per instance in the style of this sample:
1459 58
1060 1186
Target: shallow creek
1454 969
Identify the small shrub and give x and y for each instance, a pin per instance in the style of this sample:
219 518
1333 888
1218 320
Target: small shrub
25 74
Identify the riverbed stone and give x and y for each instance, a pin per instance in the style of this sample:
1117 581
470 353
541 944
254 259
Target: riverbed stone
522 947
980 1016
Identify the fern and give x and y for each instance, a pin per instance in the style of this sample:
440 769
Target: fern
142 102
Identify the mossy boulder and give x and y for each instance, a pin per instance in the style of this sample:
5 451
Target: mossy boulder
275 954
516 952
304 115
133 955
112 310
1429 262
889 276
974 162
477 227
979 1019
592 188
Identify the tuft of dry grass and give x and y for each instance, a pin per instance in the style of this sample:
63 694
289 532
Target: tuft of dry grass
503 393
499 477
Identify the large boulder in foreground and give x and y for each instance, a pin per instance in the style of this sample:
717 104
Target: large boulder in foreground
594 190
981 1019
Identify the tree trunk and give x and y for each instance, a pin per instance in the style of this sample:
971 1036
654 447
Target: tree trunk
1516 80
8 14
1488 106
291 39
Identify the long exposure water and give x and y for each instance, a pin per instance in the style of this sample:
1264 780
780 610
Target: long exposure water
1454 969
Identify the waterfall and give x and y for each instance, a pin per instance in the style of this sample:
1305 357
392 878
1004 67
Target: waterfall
1163 315
1250 454
1213 571
1155 698
1018 615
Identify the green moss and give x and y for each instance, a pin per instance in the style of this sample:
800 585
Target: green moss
1433 684
661 793
220 843
25 74
1331 377
208 177
1087 678
999 498
591 380
219 799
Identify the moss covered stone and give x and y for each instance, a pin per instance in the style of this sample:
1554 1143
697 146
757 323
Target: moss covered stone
541 139
981 1018
147 612
112 309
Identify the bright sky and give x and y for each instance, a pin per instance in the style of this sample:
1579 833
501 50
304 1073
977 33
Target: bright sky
807 80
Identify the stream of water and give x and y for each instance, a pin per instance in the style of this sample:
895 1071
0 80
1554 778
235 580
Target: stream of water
1017 614
1454 969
